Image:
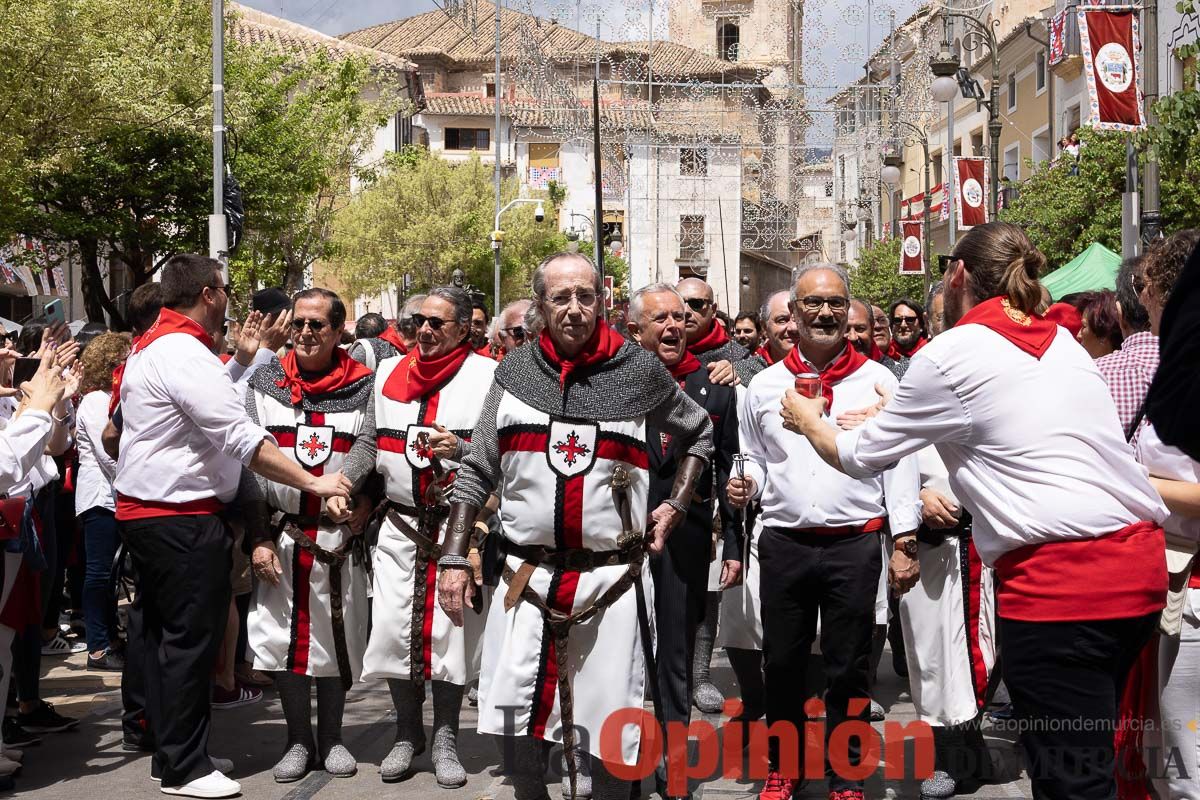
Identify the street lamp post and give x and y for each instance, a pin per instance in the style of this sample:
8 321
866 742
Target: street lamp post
498 235
946 65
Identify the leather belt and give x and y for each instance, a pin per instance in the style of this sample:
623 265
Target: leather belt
332 559
576 560
428 553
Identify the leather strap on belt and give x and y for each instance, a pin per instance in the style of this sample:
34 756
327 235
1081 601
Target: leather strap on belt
332 559
575 560
870 526
560 625
428 553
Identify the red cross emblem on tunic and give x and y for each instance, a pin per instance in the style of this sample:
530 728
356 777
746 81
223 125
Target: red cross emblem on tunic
314 446
422 447
571 449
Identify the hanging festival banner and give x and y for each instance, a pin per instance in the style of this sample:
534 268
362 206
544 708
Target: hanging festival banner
912 251
970 176
1112 51
1058 38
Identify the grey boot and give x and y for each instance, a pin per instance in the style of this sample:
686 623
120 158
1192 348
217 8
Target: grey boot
705 695
447 703
331 700
604 785
294 765
295 698
410 733
583 776
941 783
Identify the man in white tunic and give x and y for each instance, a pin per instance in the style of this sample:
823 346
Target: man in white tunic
562 439
308 614
426 405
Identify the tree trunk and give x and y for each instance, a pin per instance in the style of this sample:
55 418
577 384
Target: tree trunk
95 295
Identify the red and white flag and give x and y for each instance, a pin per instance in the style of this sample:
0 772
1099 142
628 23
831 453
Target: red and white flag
1058 42
1112 53
970 178
912 250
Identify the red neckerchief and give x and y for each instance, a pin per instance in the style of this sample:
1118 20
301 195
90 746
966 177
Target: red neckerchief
686 366
842 366
876 353
168 322
715 337
1066 315
417 377
390 336
1031 333
345 371
603 345
486 352
764 353
896 352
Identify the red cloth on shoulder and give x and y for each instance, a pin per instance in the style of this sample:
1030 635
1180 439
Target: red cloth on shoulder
344 372
1031 333
842 366
602 345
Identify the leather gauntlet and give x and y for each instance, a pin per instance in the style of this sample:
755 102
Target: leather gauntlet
458 535
686 477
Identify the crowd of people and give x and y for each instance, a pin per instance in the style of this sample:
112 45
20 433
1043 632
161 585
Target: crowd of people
557 517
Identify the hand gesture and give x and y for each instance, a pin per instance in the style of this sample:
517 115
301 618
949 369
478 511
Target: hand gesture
740 491
275 335
266 563
248 338
443 442
334 484
938 511
663 520
799 411
731 574
456 589
338 509
849 420
722 374
46 388
903 572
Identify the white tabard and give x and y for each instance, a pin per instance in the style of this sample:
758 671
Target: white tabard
407 615
290 626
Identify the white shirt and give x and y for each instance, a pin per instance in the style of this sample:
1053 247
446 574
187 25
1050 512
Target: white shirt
1033 446
241 375
1165 461
22 445
93 483
797 488
186 436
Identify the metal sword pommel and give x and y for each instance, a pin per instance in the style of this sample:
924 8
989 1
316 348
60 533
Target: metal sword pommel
620 478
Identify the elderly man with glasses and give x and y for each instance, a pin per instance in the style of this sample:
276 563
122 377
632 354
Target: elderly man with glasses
512 333
426 404
820 549
562 441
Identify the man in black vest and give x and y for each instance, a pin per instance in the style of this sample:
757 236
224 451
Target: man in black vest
656 322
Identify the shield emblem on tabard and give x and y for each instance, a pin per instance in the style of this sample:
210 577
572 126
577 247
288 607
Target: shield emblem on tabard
417 448
571 447
314 444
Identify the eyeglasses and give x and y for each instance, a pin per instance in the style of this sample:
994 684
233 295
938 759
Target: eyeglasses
315 325
585 298
218 288
435 323
944 262
897 321
517 332
814 303
1139 284
698 304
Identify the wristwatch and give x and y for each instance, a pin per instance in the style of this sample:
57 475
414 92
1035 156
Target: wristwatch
907 545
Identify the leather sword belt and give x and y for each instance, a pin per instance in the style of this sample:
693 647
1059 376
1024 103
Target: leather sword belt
577 560
332 559
428 553
426 548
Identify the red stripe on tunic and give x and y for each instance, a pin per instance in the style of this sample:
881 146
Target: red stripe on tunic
310 506
564 601
572 512
524 442
424 480
1116 576
632 454
979 673
391 444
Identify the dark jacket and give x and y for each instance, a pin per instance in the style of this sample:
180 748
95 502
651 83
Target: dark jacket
691 539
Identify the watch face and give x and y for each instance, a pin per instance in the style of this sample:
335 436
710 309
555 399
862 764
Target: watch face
909 547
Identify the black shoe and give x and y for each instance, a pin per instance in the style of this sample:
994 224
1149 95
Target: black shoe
44 719
16 736
136 744
108 662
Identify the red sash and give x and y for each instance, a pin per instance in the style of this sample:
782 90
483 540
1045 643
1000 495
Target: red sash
601 346
841 367
344 372
417 377
686 366
1031 333
715 337
130 508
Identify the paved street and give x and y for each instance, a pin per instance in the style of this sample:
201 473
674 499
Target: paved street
90 761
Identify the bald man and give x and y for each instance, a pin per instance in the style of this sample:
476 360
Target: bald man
707 338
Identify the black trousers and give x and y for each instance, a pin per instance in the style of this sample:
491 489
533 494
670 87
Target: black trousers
1065 680
183 563
134 724
803 574
680 575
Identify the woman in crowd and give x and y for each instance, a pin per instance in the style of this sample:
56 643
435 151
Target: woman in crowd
1101 330
1177 479
94 503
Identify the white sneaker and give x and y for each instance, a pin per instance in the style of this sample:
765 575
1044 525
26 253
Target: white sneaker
213 784
59 646
221 765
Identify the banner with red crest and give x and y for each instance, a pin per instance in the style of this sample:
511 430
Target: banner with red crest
912 247
1058 40
1111 48
970 178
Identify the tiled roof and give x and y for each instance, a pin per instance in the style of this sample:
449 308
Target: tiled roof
250 26
436 33
532 114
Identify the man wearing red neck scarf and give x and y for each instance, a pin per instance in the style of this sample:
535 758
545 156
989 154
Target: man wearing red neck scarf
1061 510
908 329
656 322
185 440
316 401
821 547
427 403
707 338
779 337
562 441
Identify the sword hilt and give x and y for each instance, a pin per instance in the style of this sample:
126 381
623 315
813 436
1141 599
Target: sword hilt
739 465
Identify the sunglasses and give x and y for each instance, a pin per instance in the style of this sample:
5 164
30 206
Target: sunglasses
904 321
944 262
517 333
315 325
435 323
698 303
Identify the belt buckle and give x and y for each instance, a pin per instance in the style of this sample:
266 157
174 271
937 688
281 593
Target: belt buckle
579 560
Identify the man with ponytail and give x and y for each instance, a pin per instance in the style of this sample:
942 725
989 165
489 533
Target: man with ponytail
1061 511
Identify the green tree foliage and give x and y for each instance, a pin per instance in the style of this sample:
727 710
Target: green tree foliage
426 217
877 277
